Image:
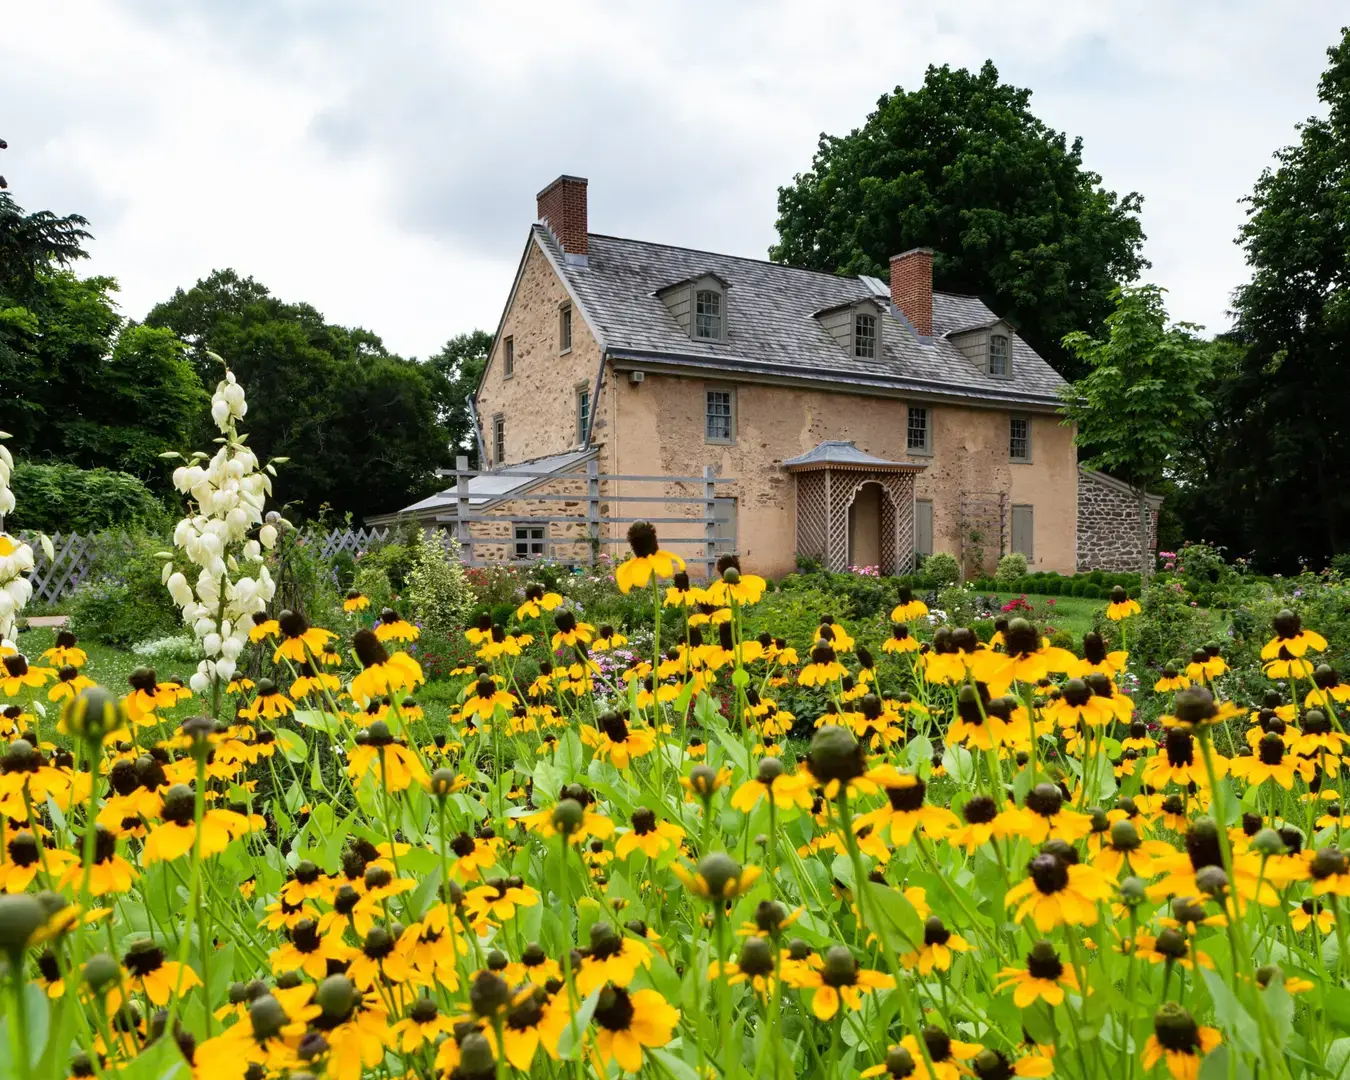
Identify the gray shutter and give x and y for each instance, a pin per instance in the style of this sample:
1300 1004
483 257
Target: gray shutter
923 527
1023 530
724 513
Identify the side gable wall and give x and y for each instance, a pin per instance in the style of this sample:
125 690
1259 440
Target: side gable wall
538 401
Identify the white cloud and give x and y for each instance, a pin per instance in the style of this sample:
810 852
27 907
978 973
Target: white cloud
380 160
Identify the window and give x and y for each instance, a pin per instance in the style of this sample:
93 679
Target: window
583 411
917 430
498 439
508 358
708 314
999 361
724 525
565 328
865 336
923 526
1019 439
531 541
721 416
1023 530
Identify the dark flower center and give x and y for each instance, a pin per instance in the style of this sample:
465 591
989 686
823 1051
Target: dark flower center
981 810
1180 748
909 798
23 849
644 821
1049 872
143 959
614 1010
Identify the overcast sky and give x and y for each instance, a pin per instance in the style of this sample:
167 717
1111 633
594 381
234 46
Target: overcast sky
380 159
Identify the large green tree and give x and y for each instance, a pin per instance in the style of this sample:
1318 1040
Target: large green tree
32 242
358 423
79 384
1279 487
961 165
1141 397
460 365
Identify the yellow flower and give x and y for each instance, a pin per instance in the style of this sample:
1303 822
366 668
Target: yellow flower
299 640
18 675
1044 978
355 601
839 981
625 1023
909 608
1055 893
717 877
65 651
1178 1041
536 602
390 626
1121 606
653 838
647 560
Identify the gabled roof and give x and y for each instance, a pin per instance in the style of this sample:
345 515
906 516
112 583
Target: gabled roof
841 454
771 331
490 487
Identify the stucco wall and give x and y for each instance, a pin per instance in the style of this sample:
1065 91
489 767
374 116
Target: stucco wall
539 400
659 427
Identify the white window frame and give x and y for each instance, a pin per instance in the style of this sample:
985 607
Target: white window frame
718 440
535 536
498 439
871 340
1025 458
1006 373
927 447
716 319
564 329
583 409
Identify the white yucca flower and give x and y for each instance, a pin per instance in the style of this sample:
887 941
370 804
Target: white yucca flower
16 559
224 534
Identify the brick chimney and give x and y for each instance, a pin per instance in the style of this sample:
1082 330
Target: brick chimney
562 207
912 288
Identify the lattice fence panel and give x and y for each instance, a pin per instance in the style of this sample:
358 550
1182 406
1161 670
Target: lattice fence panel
813 512
349 540
74 557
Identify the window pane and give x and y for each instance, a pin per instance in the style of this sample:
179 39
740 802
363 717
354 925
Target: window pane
719 415
498 440
510 358
583 412
865 336
998 355
1019 439
918 428
708 314
565 329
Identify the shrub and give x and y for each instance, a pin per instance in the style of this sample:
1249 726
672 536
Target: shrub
1011 567
176 647
373 582
393 559
1169 627
65 498
438 591
123 600
959 604
1062 639
940 569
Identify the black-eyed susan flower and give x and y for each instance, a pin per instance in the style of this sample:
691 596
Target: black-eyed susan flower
717 877
391 626
311 681
938 948
309 951
900 640
1045 817
354 601
1122 849
991 1064
1044 978
733 586
1056 893
1291 637
569 631
681 593
24 859
616 741
773 781
483 697
905 809
1207 664
1312 912
1028 658
1270 762
1076 704
625 1022
151 973
393 765
1120 605
838 982
823 667
69 683
18 676
299 640
178 832
608 638
269 702
1329 868
65 651
754 966
422 1023
834 632
647 559
1179 1042
909 607
703 782
652 837
497 900
1179 763
610 957
1170 680
537 601
380 673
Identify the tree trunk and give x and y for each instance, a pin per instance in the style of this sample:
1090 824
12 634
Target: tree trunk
1145 548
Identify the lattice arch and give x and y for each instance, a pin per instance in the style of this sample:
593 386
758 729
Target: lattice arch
828 480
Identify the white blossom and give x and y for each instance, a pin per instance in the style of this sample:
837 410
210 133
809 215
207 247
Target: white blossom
16 558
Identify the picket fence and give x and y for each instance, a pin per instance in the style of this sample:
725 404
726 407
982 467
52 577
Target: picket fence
76 555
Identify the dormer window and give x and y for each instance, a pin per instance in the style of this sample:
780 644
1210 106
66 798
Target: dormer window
708 314
1000 360
865 335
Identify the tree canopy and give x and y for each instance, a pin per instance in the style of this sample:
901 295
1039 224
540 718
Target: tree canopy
359 424
460 364
1271 479
961 165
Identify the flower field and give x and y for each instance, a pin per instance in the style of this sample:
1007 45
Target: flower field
978 863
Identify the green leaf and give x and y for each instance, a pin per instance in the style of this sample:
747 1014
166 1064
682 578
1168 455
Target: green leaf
570 1042
1232 1017
900 922
317 718
293 744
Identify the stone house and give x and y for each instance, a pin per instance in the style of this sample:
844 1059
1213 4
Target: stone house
856 421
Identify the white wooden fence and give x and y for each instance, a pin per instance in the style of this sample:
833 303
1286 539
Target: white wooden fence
76 555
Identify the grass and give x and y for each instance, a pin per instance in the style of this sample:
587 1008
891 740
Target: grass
1071 613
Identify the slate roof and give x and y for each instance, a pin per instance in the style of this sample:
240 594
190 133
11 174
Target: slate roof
489 487
771 326
840 453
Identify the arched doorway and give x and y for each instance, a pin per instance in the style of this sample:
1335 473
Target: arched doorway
868 515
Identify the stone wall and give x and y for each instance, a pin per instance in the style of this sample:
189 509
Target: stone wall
1108 524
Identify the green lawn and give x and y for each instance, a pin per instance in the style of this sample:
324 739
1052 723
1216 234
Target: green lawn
1071 613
